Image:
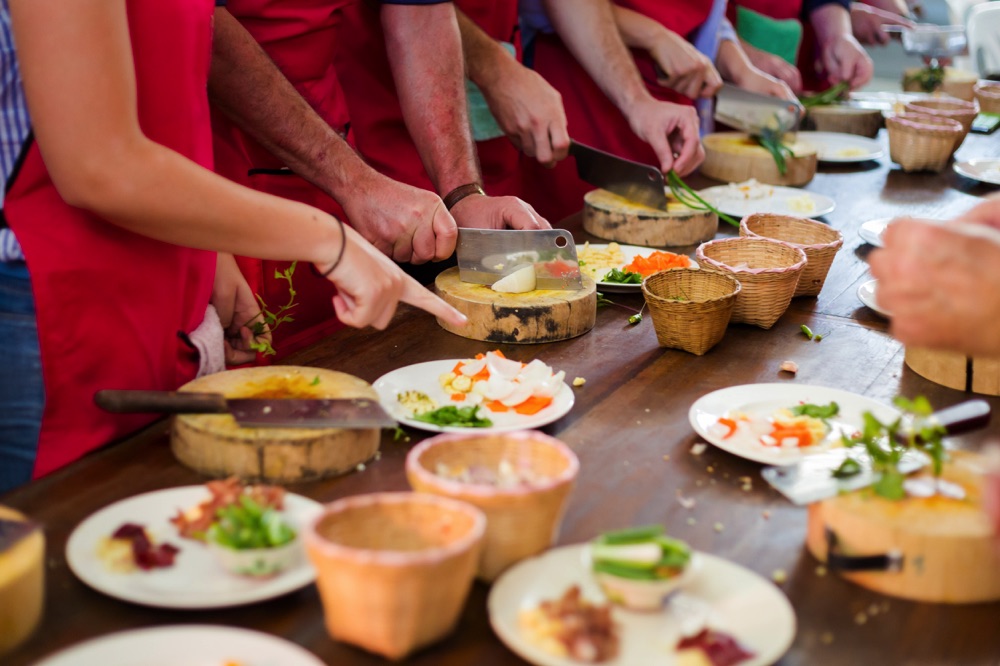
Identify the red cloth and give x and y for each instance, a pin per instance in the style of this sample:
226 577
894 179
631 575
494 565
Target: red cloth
110 303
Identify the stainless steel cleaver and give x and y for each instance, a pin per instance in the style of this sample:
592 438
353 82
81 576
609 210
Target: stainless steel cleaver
486 255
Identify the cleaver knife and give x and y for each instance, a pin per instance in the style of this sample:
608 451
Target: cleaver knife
812 480
486 255
636 182
253 412
754 113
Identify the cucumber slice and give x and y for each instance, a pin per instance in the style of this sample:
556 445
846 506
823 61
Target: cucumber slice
631 535
636 554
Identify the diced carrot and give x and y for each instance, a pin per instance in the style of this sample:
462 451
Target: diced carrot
533 405
802 435
496 406
657 261
483 375
458 397
729 423
480 357
457 370
499 353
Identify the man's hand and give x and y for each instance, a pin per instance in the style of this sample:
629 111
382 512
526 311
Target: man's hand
671 130
237 307
846 60
528 110
932 276
688 71
481 212
775 66
404 222
867 23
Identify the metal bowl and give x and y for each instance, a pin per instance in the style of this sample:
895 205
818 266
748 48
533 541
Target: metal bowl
933 41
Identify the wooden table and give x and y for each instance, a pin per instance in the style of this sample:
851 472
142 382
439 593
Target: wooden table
630 429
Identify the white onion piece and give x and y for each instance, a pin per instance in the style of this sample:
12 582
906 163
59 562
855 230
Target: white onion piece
502 367
473 366
521 393
518 282
498 388
535 371
548 388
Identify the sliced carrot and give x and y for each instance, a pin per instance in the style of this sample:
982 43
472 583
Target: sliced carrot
458 397
532 405
801 434
496 406
457 370
656 262
499 353
483 375
729 423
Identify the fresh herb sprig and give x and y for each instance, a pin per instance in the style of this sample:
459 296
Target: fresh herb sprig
828 96
266 321
773 142
249 525
619 276
929 78
633 320
816 411
684 194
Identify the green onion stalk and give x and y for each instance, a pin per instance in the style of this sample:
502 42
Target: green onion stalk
684 194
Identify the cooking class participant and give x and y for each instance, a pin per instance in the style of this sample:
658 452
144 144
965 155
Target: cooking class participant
113 220
810 44
304 37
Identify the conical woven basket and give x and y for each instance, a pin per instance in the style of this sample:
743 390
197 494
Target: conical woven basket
819 241
947 107
394 569
988 95
522 519
768 271
690 307
920 142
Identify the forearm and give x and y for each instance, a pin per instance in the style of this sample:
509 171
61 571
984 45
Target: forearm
637 30
425 50
588 29
732 61
830 21
485 57
247 86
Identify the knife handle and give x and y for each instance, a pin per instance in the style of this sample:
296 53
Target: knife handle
160 402
964 417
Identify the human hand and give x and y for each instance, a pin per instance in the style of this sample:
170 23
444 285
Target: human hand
898 7
404 222
529 111
671 130
237 309
868 23
844 59
481 212
757 81
931 276
370 286
686 69
775 66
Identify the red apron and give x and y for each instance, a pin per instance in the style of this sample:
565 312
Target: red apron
593 119
111 303
299 36
376 117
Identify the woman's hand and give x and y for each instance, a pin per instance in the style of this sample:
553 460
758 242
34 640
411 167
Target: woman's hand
238 309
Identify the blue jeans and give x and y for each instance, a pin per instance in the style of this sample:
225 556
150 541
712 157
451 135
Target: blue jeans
22 392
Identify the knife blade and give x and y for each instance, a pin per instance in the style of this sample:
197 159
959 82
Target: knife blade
811 480
486 255
754 113
354 413
636 182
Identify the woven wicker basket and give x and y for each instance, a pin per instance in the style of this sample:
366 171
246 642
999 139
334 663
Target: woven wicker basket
988 96
924 148
521 521
690 307
394 569
768 271
819 241
947 107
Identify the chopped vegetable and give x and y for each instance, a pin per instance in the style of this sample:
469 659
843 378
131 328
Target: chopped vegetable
622 277
683 193
729 423
929 78
773 142
828 96
450 415
850 467
807 331
656 262
639 553
817 411
520 281
247 524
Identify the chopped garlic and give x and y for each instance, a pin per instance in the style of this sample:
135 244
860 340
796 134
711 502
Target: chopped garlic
579 381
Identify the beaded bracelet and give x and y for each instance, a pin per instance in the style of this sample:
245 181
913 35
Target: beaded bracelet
340 255
460 193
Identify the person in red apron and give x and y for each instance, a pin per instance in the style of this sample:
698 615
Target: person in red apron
125 181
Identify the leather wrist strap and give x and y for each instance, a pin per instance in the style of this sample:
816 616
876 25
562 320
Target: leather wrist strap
460 193
340 254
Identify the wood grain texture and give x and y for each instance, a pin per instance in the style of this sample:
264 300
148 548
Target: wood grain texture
734 157
613 218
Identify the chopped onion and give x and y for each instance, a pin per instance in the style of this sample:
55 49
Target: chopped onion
518 282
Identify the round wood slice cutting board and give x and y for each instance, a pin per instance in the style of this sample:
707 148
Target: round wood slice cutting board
733 157
610 216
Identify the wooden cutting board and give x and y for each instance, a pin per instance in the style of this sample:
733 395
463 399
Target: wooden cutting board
610 216
22 585
734 157
214 444
543 315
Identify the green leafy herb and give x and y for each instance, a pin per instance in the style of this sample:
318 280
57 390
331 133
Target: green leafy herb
622 277
315 381
635 319
828 96
265 320
399 435
929 78
772 141
816 411
602 301
249 525
684 194
450 415
850 467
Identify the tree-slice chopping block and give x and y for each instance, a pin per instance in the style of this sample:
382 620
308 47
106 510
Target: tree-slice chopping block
977 373
846 119
937 548
22 579
215 445
610 216
542 315
734 157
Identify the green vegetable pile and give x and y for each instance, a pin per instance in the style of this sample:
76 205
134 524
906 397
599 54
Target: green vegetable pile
622 277
929 78
816 411
639 553
248 525
828 96
684 194
450 415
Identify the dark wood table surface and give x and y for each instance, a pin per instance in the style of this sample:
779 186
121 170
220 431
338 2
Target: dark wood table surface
630 428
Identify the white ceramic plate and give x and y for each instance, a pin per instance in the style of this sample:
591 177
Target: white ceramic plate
983 170
196 579
424 377
841 147
191 645
761 400
733 599
866 294
630 252
782 201
872 230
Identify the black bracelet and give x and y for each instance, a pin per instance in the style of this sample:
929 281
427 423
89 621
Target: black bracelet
340 255
460 193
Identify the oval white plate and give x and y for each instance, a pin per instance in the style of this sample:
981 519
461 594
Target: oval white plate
763 399
983 170
423 377
842 148
630 252
196 579
783 201
866 294
734 600
872 230
191 645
